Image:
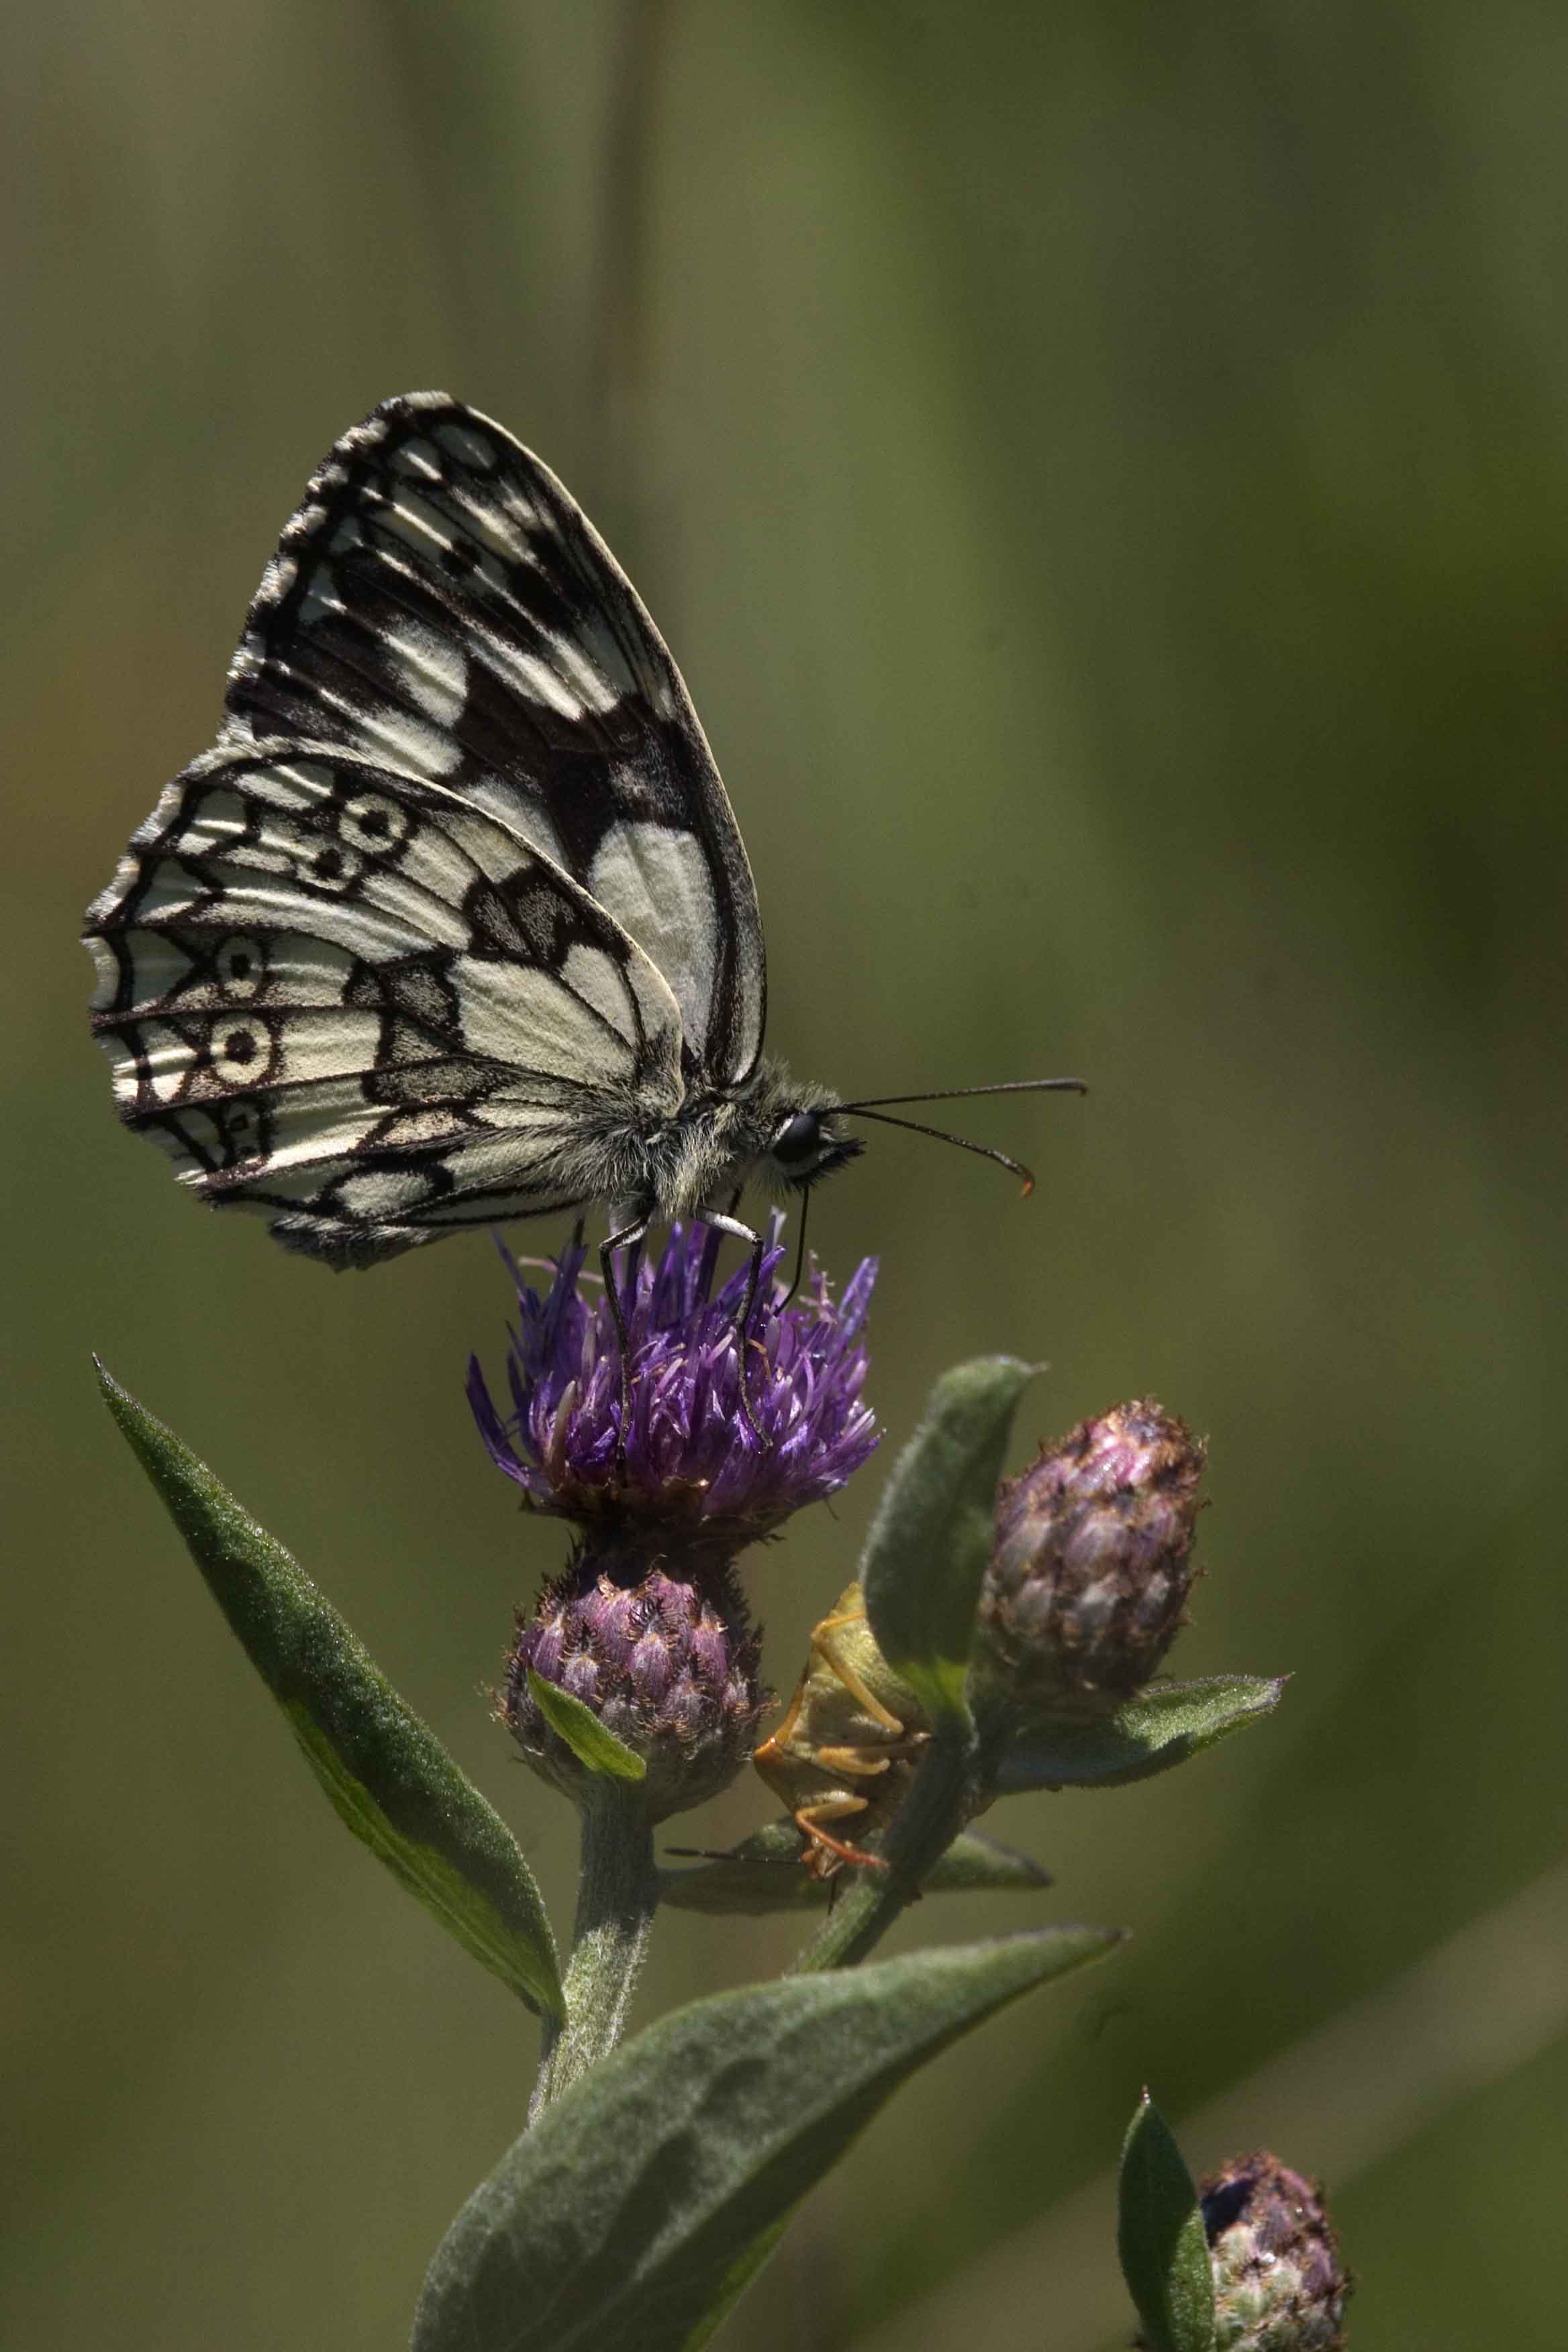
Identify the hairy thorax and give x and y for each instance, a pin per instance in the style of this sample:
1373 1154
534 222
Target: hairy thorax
717 1143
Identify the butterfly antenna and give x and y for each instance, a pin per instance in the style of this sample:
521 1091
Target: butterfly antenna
944 1135
957 1094
878 1106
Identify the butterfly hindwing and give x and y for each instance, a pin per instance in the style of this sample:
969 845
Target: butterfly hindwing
440 605
356 998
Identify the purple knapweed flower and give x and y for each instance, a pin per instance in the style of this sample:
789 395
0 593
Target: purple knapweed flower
691 1458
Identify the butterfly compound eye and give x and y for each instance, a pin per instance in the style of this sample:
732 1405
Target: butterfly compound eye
798 1139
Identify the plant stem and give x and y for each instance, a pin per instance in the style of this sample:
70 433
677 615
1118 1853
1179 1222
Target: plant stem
941 1801
623 291
617 1893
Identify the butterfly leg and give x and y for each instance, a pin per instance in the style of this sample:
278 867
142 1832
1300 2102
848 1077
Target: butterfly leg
717 1222
629 1237
799 1254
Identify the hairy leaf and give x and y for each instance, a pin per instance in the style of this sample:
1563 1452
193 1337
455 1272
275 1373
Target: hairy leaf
931 1536
1159 2238
385 1770
1162 1727
633 2214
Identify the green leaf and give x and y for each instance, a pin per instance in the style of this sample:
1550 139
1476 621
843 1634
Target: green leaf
931 1536
763 1873
1159 2238
1162 1727
975 1864
386 1773
633 2214
591 1741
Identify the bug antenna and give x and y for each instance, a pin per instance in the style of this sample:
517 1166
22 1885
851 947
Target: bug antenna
942 1135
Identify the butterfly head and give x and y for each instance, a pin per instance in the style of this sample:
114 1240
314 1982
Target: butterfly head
779 1132
808 1143
792 1135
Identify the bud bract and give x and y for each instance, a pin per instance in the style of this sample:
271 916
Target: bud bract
1091 1563
1279 2283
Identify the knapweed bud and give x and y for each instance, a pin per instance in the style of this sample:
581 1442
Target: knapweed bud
1091 1563
1280 2284
669 1666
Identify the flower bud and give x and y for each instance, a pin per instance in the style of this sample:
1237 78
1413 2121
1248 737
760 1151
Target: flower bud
668 1665
1091 1563
1280 2284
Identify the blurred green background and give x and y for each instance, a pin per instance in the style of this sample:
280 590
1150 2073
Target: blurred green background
1104 473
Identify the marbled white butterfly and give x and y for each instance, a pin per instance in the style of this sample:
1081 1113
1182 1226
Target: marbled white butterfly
453 923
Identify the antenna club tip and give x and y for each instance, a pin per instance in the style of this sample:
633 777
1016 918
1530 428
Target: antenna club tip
1027 1186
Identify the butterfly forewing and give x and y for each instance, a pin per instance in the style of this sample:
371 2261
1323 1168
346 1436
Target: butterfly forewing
353 998
439 604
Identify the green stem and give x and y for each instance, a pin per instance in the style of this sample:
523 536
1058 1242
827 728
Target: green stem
940 1803
624 289
617 1893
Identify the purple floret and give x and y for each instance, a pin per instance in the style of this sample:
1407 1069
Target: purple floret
690 1455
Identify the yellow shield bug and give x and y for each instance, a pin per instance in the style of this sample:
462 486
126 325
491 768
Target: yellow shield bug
849 1741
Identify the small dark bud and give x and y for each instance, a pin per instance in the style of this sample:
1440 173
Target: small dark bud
669 1665
1279 2283
1092 1563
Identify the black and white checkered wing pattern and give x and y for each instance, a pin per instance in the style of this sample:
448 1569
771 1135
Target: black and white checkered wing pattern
358 1002
440 605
